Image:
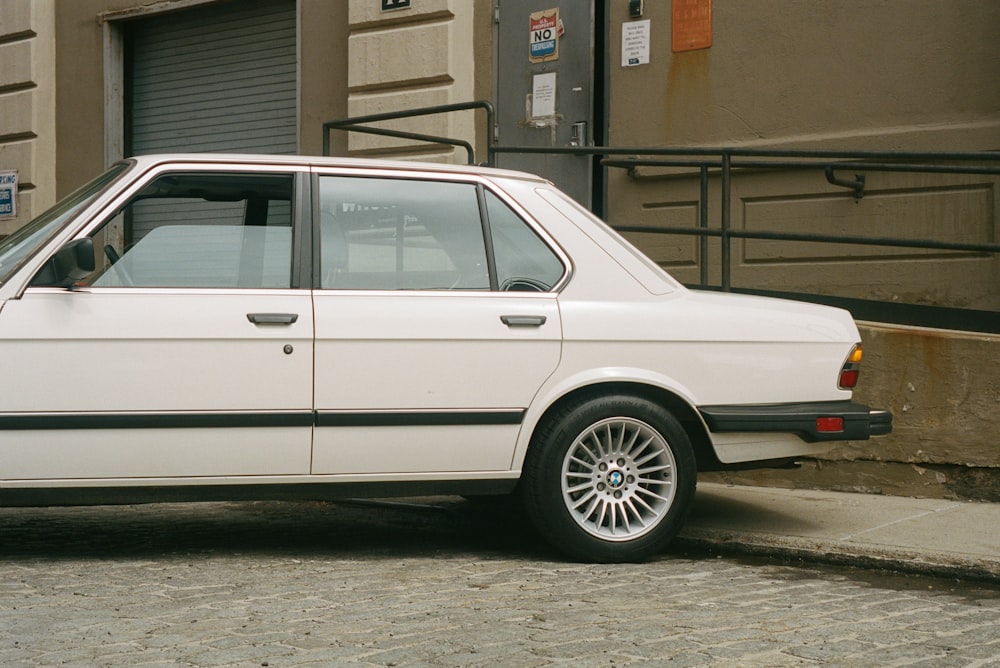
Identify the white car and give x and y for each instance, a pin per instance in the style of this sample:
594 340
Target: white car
203 326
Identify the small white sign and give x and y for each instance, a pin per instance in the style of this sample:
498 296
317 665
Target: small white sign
8 194
543 95
635 43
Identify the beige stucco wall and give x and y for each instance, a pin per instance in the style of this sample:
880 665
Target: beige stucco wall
323 46
80 132
882 75
27 104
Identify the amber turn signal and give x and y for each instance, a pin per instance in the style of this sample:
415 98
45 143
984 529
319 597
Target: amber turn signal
852 367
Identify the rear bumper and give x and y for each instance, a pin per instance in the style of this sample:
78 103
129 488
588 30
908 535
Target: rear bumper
857 422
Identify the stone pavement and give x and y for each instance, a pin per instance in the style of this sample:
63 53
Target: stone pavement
441 583
923 536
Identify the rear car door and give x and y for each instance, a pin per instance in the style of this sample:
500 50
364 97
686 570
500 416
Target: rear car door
436 323
186 354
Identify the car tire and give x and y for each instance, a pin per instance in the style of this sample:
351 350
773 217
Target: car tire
610 479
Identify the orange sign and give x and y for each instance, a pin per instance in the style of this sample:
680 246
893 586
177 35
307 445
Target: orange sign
691 25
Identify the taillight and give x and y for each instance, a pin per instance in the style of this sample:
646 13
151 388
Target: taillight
829 425
852 367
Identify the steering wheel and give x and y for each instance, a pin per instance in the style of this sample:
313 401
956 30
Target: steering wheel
523 284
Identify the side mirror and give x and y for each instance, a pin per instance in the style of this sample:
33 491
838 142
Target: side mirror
74 261
71 263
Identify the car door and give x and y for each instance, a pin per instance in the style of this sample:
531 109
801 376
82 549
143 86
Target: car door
432 336
186 354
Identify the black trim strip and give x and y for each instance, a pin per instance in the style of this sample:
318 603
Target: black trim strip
86 421
419 418
52 421
860 422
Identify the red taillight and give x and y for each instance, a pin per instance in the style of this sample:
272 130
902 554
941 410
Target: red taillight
829 424
848 379
852 367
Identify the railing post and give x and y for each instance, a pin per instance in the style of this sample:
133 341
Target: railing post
491 135
727 279
703 223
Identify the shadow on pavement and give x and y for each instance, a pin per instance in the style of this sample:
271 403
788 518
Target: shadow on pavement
717 511
356 530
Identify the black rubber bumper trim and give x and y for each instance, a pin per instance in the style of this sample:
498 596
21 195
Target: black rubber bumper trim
860 422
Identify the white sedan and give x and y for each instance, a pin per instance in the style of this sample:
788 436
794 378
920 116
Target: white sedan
231 327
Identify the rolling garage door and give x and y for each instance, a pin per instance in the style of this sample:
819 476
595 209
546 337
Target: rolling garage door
214 78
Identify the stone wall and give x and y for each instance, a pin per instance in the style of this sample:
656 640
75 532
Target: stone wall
27 104
407 59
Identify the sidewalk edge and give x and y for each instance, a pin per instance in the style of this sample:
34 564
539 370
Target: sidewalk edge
902 561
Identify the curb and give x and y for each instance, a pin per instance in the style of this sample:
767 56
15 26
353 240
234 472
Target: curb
877 558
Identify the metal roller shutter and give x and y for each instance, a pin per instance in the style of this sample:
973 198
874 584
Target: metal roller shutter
215 78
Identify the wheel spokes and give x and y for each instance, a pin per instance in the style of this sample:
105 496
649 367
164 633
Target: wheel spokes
617 478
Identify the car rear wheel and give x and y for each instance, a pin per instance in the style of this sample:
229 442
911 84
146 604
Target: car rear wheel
610 479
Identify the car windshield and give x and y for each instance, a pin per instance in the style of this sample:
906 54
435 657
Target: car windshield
17 247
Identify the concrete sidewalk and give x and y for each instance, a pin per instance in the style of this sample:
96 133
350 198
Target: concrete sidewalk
926 536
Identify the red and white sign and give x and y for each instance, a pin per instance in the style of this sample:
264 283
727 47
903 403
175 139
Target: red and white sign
543 36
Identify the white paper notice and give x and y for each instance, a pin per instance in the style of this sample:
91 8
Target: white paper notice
635 43
543 95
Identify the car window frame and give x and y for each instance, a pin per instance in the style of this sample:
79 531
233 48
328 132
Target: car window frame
482 185
299 271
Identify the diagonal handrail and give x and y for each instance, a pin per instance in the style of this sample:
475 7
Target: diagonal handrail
722 162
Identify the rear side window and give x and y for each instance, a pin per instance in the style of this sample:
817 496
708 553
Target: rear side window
524 263
403 234
397 234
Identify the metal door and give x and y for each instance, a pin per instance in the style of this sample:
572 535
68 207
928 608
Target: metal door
219 77
544 88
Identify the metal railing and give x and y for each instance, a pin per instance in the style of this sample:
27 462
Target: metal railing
720 163
359 124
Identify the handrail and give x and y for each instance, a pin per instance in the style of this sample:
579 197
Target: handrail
722 162
357 124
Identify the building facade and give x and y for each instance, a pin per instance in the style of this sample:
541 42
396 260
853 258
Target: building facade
86 82
28 107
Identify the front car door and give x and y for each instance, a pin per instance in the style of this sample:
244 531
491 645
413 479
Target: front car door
436 323
187 353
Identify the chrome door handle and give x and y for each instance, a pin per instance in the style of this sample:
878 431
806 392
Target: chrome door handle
272 318
523 320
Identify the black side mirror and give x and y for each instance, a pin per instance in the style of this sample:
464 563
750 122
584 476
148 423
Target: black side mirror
71 263
74 262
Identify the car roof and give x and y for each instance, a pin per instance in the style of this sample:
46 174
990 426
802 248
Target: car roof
152 160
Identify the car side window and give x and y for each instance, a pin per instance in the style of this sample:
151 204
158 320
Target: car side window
400 234
524 263
200 230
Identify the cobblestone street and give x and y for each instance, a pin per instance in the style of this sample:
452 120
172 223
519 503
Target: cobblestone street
437 584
